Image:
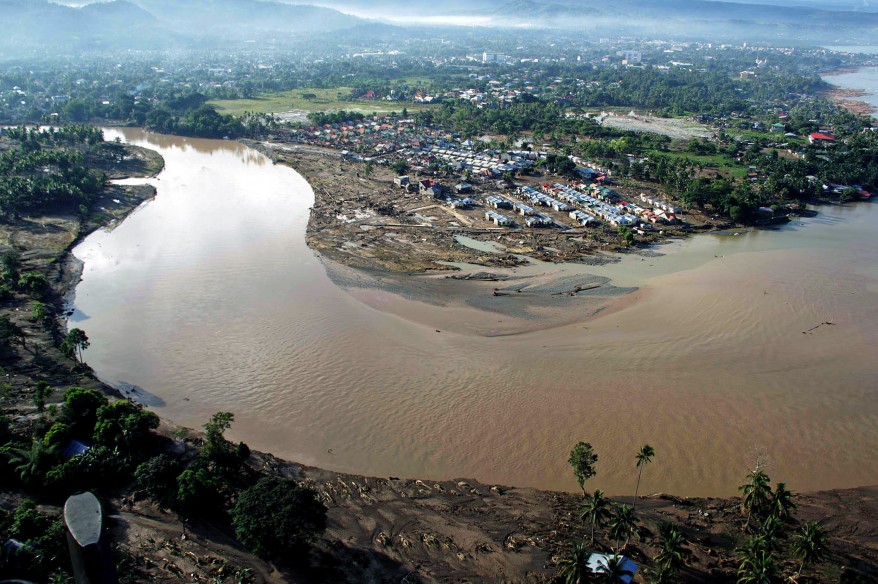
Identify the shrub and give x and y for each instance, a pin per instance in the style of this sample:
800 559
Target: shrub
158 477
277 516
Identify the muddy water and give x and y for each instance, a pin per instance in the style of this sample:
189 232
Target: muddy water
207 299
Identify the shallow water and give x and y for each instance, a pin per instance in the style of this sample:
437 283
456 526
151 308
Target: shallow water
864 79
208 299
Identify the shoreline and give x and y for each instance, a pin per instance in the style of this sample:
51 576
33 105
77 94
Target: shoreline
846 97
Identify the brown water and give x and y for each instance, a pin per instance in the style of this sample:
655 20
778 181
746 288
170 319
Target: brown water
207 299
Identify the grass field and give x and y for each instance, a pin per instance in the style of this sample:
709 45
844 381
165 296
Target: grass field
324 100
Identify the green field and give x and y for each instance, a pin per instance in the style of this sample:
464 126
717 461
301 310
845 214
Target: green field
325 100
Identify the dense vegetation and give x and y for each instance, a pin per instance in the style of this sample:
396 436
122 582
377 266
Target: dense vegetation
47 171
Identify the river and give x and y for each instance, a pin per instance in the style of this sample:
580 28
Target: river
863 79
208 299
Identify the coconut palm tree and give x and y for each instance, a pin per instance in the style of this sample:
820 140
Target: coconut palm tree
782 505
623 523
31 463
614 571
771 532
672 548
756 495
809 545
643 457
595 510
574 568
757 568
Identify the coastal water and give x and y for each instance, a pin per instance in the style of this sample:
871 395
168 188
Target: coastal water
751 344
863 79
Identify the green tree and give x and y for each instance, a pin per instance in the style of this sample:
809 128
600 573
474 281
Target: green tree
782 504
623 524
33 283
809 545
758 567
672 545
80 409
368 168
39 312
125 425
614 571
32 463
158 477
41 392
277 516
582 459
595 510
643 457
756 495
74 343
400 167
574 568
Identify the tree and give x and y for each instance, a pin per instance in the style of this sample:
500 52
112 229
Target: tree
277 516
33 283
31 463
614 571
672 548
158 477
574 568
81 409
74 343
595 510
399 167
368 168
623 523
809 545
758 567
582 459
782 505
10 332
756 495
125 425
643 457
41 392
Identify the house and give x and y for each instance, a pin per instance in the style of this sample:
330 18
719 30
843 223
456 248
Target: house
465 203
430 187
498 219
463 188
599 564
777 128
821 139
402 181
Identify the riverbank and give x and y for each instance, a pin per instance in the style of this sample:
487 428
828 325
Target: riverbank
847 98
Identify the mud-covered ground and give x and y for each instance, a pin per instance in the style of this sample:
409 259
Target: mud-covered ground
369 222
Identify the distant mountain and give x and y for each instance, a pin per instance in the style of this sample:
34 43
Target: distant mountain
40 27
238 18
773 19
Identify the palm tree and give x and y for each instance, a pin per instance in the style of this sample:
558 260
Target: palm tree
643 457
772 531
595 510
672 548
623 523
574 569
614 571
810 545
757 568
756 494
30 463
782 504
